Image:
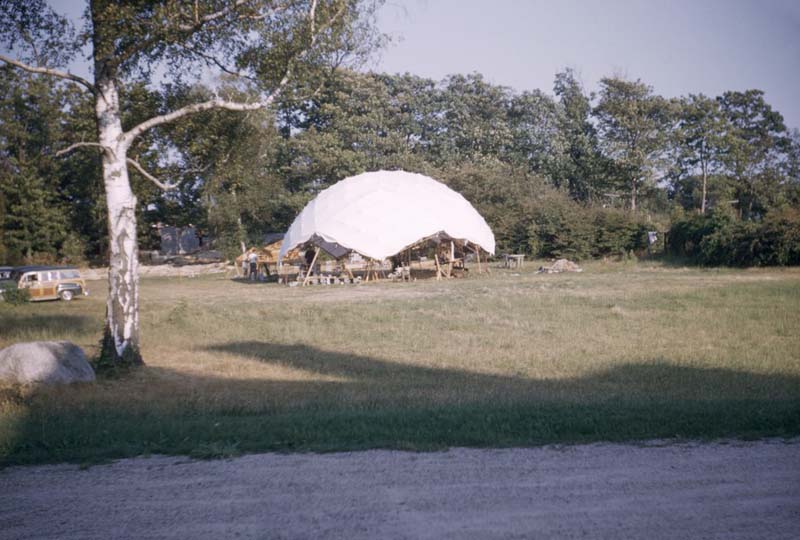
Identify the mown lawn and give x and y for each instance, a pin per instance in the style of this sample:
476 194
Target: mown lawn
618 352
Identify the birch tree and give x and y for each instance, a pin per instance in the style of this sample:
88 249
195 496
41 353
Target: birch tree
269 45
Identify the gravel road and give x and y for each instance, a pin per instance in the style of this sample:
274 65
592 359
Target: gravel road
725 490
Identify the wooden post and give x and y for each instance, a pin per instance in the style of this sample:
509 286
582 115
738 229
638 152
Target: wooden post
478 254
450 262
311 267
438 267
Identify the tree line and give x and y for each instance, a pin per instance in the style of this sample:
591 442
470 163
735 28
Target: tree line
570 173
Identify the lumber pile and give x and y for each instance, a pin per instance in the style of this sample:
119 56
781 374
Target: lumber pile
561 265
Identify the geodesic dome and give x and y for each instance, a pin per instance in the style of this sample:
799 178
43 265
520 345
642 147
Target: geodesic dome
379 214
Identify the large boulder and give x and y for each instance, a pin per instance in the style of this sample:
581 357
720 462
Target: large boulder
49 362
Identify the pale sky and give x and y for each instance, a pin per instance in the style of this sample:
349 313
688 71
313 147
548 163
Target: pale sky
676 46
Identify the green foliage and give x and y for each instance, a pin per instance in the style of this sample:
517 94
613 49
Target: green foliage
537 167
698 138
560 228
754 151
15 296
563 228
34 217
633 124
618 233
719 238
583 170
528 215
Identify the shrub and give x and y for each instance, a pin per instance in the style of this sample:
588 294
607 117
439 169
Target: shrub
560 228
15 296
719 239
779 239
617 233
529 216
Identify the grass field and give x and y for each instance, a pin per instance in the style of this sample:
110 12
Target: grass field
619 352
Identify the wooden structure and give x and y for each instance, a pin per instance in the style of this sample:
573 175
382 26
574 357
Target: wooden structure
267 257
513 260
437 256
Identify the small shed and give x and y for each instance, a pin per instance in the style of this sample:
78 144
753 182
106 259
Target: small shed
179 240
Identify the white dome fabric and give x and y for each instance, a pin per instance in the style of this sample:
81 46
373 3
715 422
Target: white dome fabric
380 213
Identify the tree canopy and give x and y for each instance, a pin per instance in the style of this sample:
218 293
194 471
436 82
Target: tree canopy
562 173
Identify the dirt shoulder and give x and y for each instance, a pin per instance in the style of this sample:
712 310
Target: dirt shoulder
689 490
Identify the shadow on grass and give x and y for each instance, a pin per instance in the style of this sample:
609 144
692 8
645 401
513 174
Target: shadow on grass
368 402
656 379
245 281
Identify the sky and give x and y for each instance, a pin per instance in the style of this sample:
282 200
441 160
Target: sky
678 47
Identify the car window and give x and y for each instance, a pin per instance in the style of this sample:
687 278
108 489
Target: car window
70 274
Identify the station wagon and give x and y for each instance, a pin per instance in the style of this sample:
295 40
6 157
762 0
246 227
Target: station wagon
50 282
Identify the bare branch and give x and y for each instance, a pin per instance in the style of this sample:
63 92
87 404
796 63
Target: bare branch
72 147
49 71
263 16
163 185
129 136
327 25
312 13
200 21
196 170
211 59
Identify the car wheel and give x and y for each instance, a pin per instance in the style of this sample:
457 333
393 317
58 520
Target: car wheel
66 296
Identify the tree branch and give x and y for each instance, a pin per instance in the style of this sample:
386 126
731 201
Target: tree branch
72 147
211 59
163 185
49 71
129 136
200 21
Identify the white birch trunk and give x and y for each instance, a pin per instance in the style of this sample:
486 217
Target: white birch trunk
122 305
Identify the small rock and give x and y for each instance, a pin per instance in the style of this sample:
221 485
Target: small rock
48 362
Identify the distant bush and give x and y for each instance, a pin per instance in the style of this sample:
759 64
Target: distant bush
563 228
720 239
529 216
560 228
15 296
618 233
